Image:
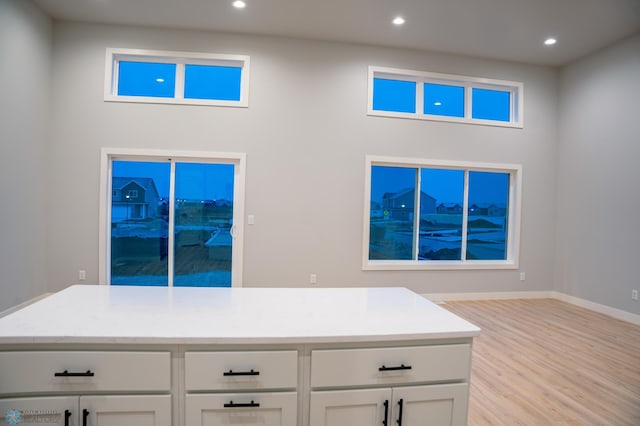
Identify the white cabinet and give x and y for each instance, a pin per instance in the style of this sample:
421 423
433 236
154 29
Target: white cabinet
432 405
264 385
104 410
135 356
410 386
259 408
365 407
84 371
86 388
241 370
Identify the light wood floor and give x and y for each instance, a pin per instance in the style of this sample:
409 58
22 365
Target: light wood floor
546 362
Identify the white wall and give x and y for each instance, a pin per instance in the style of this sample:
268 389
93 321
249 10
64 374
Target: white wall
25 49
306 134
598 218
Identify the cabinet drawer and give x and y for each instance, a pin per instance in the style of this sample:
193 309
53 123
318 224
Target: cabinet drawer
241 370
388 366
71 371
260 408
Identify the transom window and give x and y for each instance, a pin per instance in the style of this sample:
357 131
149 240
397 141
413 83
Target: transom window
176 77
444 97
433 214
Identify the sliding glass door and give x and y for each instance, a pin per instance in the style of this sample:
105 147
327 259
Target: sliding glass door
172 222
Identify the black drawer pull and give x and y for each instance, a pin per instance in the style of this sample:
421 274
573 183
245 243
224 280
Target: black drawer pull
401 367
251 404
67 414
66 373
400 405
85 414
241 373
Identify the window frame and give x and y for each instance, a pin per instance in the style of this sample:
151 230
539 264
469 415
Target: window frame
515 89
108 155
181 59
513 220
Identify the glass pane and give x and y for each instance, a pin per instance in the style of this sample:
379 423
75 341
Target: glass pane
394 95
203 220
392 213
491 104
146 79
212 82
441 210
441 99
488 213
139 215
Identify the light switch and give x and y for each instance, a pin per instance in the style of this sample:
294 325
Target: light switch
251 219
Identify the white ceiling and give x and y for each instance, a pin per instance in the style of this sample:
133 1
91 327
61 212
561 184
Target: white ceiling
511 30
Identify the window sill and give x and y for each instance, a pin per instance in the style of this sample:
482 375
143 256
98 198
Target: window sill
436 265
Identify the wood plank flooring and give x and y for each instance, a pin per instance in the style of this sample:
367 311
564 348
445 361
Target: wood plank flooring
546 362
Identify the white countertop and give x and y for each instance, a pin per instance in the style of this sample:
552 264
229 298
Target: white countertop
162 315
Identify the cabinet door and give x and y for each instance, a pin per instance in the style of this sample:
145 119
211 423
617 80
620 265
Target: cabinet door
130 410
58 411
434 405
266 409
365 407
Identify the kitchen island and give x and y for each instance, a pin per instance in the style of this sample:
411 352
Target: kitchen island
107 355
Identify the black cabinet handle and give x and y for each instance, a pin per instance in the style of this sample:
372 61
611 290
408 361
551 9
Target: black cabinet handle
386 412
67 414
66 373
232 404
400 404
401 367
85 414
241 373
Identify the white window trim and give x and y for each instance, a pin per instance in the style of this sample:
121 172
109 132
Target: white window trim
515 212
516 90
107 155
114 55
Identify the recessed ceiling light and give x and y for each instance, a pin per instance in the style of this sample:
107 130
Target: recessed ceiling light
550 41
398 20
159 80
437 103
239 4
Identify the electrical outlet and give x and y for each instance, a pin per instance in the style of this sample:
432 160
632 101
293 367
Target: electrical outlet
82 275
634 295
522 276
313 279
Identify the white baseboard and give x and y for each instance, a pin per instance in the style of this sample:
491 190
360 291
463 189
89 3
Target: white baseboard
444 297
596 307
23 305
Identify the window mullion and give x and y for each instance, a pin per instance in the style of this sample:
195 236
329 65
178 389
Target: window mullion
416 217
171 227
180 76
465 217
468 101
419 97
